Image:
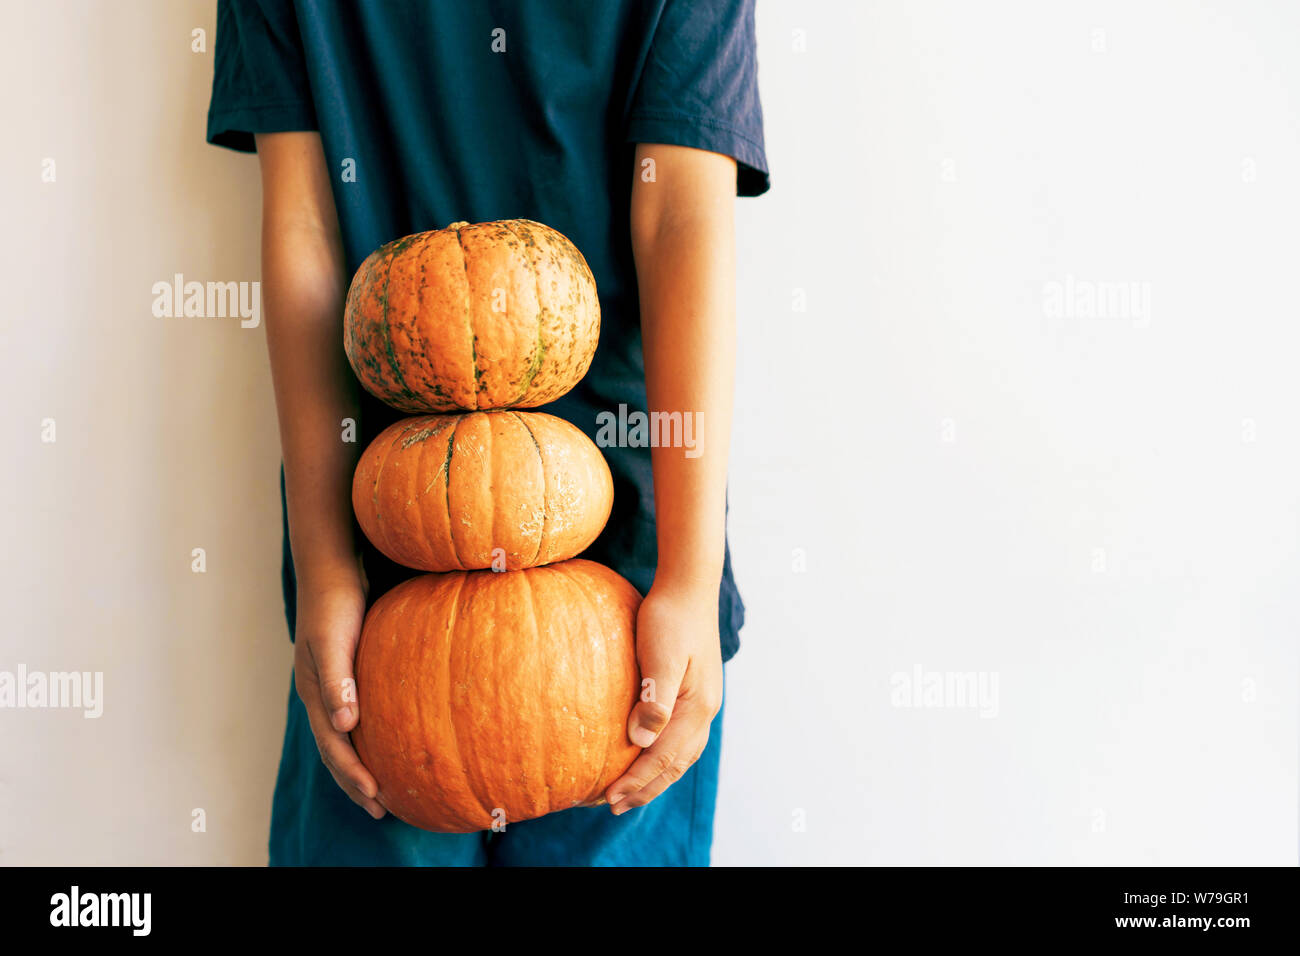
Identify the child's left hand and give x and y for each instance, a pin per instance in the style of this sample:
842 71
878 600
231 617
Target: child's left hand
681 691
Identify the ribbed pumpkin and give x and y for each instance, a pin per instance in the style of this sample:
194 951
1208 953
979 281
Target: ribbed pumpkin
497 697
474 316
443 492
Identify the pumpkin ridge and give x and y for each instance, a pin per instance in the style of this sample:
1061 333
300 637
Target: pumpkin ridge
374 485
440 424
383 324
419 696
456 724
434 433
446 467
383 524
539 649
482 792
424 433
375 496
493 538
542 538
539 351
421 351
429 693
469 314
551 669
449 426
595 617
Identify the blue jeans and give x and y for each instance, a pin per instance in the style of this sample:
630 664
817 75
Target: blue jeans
313 823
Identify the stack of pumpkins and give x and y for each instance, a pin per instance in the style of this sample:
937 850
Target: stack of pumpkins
497 688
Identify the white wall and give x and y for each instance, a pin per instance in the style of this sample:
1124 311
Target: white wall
947 453
165 442
935 166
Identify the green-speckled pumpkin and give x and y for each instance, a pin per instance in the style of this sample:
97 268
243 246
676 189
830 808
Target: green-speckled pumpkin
472 317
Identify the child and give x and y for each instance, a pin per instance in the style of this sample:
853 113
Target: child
628 125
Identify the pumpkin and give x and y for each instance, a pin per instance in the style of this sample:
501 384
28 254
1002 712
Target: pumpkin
492 697
474 316
501 490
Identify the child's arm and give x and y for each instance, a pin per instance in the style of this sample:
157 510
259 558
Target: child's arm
683 239
304 283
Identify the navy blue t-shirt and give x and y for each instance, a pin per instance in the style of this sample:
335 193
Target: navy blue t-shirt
432 112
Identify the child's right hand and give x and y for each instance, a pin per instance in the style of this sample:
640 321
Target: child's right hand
329 626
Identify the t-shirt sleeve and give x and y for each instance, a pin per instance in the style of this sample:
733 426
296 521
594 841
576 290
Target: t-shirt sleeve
259 82
699 86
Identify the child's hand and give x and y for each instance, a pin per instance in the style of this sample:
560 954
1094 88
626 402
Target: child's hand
678 650
329 626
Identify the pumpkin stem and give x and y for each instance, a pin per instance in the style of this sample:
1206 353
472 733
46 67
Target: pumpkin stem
458 225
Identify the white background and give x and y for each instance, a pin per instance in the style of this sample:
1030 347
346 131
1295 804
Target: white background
933 467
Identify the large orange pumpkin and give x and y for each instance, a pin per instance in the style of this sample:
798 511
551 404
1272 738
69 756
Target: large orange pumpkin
489 698
502 490
474 316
